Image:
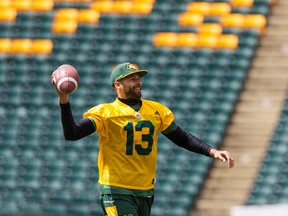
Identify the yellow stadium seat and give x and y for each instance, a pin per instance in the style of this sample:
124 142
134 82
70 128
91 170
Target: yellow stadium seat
220 9
22 5
22 46
165 39
5 4
228 41
69 26
5 45
142 8
88 16
42 46
8 14
233 20
123 7
242 3
187 39
257 21
144 1
207 41
65 20
42 5
103 6
73 1
199 7
190 19
66 14
210 28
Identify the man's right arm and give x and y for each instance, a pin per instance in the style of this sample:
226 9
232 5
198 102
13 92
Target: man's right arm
74 130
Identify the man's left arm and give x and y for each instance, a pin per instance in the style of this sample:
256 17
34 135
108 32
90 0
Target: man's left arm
186 140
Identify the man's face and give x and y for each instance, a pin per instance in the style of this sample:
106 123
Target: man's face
129 87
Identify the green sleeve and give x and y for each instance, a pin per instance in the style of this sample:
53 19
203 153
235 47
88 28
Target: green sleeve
172 127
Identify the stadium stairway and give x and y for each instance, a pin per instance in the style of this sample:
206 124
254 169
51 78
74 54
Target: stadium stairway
253 122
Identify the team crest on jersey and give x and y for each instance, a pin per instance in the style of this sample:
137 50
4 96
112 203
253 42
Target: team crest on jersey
138 115
132 67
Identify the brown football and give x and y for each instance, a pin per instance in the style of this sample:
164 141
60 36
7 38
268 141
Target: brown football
67 79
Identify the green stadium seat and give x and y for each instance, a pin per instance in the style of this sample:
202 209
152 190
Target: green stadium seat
55 208
8 207
5 29
36 195
79 209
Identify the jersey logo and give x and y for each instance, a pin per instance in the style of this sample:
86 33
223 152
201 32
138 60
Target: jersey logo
138 115
156 113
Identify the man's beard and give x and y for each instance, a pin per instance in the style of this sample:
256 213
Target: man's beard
132 92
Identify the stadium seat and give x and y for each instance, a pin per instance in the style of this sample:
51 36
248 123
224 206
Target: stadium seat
257 21
42 5
210 29
190 19
199 8
42 46
242 3
165 39
142 8
54 208
8 14
207 41
219 9
233 20
189 40
65 21
105 6
5 4
6 29
22 5
8 207
21 46
122 7
5 45
228 41
88 16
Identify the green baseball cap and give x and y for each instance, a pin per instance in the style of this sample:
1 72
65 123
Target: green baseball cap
124 70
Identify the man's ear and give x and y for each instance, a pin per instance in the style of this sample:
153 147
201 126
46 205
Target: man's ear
117 85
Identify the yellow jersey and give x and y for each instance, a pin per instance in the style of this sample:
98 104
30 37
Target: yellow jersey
128 142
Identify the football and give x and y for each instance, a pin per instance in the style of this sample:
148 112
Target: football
66 79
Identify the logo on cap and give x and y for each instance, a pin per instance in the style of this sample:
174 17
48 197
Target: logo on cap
132 67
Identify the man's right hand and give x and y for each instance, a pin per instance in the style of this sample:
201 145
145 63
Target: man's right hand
63 98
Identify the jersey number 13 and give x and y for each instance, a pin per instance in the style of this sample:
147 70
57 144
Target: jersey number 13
145 137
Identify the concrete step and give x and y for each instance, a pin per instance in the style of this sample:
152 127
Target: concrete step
276 31
267 74
258 63
235 194
266 84
215 205
211 212
255 119
244 141
239 183
269 42
235 172
257 106
271 51
262 96
277 20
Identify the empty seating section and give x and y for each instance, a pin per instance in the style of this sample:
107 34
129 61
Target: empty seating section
271 185
197 58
